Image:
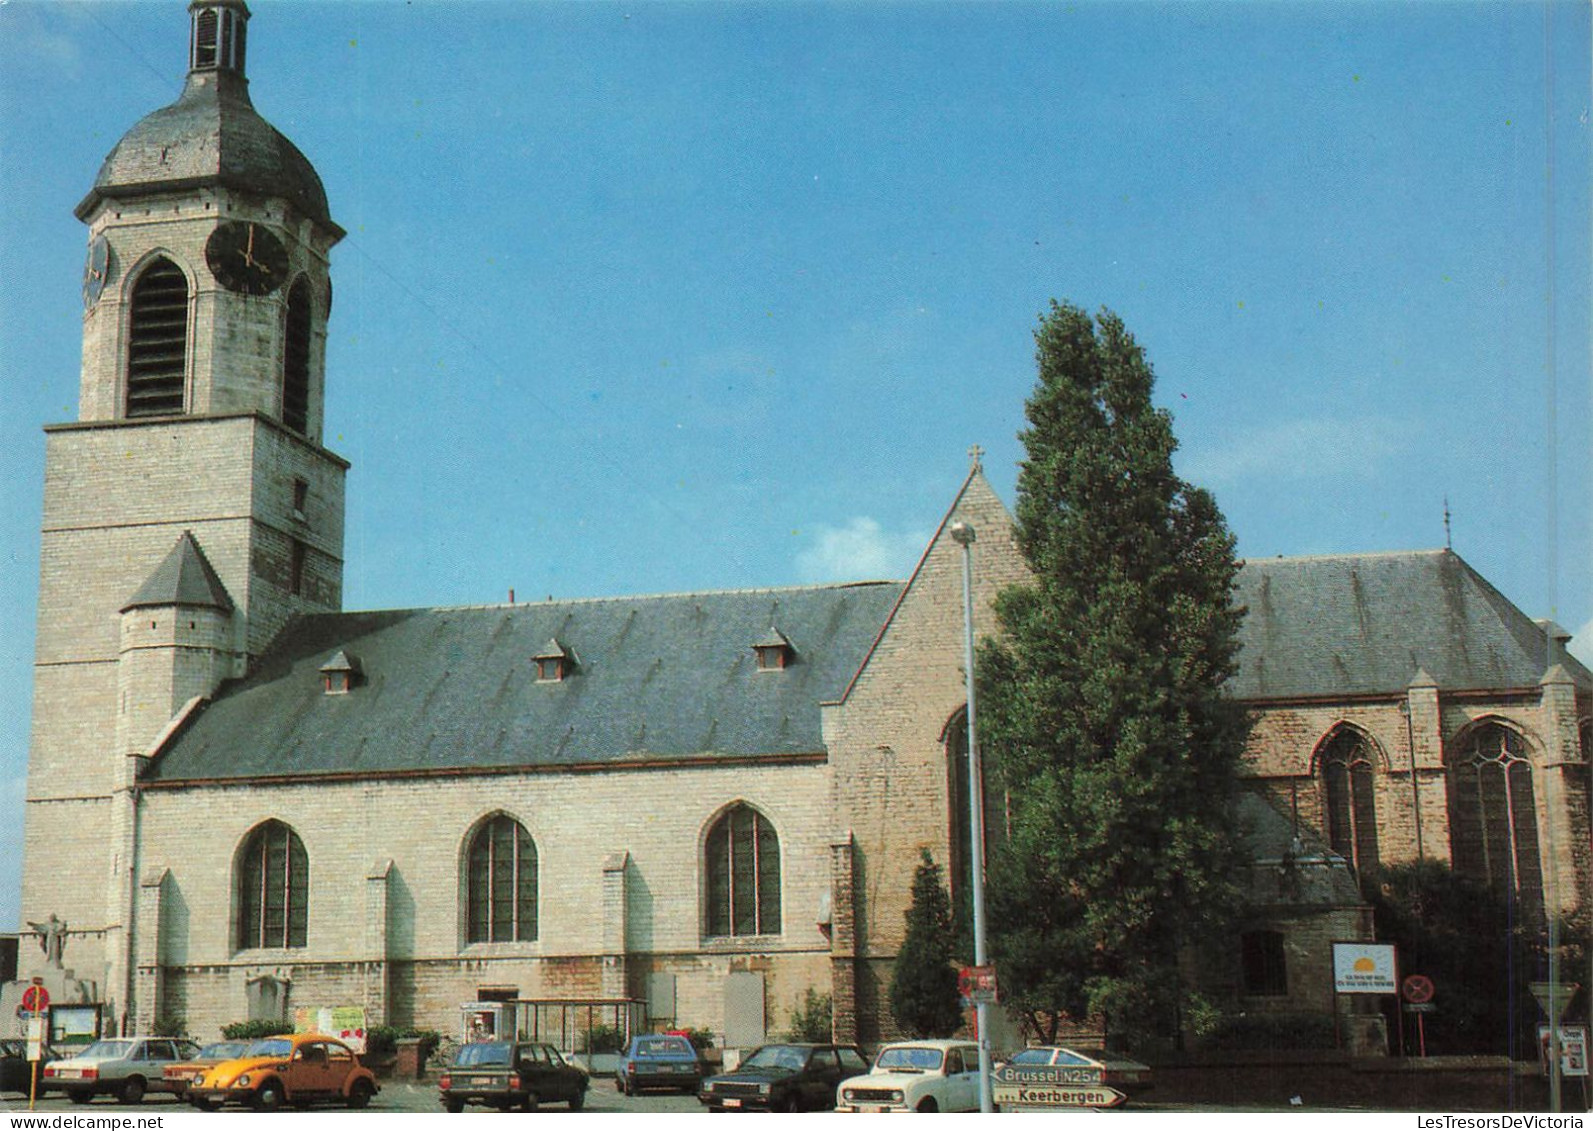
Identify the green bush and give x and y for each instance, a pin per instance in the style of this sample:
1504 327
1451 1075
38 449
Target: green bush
603 1038
381 1041
169 1025
254 1030
429 1040
700 1039
810 1021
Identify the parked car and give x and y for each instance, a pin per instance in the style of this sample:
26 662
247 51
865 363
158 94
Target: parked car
502 1074
916 1076
1085 1067
127 1067
186 1072
658 1060
16 1071
297 1069
784 1077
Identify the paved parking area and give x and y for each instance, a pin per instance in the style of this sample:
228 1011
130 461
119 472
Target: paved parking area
394 1096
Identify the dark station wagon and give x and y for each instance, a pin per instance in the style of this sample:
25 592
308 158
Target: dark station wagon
784 1077
504 1075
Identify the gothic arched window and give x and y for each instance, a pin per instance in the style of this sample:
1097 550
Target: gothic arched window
157 341
960 813
1345 763
501 883
273 888
1493 825
296 360
743 868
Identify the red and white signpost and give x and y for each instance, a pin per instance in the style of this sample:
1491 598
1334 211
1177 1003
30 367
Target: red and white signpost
35 1001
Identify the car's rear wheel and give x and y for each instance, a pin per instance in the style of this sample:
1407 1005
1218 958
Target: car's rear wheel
131 1091
80 1096
529 1101
269 1097
453 1106
360 1094
578 1100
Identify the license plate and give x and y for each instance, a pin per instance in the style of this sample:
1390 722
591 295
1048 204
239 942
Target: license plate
732 1103
70 1074
872 1109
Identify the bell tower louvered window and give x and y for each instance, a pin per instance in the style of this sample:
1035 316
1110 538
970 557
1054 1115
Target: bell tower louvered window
157 341
216 39
296 360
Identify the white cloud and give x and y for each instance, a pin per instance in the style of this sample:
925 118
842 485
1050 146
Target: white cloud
860 550
1293 449
1582 643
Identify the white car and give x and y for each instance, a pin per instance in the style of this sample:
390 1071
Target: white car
916 1076
125 1067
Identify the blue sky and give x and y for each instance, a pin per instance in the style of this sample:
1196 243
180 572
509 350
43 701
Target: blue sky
644 297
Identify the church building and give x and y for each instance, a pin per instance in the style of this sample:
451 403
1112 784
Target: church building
691 808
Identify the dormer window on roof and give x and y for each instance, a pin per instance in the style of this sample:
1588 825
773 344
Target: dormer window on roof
340 674
554 662
774 651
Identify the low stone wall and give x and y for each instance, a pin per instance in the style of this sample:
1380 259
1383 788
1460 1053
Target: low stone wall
1309 1080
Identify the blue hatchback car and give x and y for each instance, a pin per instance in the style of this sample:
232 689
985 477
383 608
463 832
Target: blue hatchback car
659 1060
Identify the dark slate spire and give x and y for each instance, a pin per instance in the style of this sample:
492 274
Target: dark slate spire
185 577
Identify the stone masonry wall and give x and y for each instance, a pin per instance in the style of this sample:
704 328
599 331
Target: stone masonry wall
576 819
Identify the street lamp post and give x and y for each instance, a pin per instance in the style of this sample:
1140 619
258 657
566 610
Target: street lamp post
963 535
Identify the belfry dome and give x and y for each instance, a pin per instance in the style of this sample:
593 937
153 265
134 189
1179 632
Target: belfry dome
212 134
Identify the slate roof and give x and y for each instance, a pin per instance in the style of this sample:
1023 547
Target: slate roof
1366 623
654 678
210 135
184 577
1291 863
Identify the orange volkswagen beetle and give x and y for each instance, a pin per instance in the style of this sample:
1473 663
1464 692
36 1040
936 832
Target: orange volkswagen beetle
298 1069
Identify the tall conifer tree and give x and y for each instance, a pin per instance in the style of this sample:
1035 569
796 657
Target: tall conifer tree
1102 709
924 996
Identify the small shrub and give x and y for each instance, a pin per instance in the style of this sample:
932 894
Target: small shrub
701 1039
810 1021
255 1029
429 1040
381 1041
169 1025
603 1038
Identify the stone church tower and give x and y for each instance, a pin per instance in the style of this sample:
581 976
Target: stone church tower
191 509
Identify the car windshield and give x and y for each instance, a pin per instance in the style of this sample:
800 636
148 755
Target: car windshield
276 1046
484 1055
662 1046
224 1050
1078 1056
106 1050
909 1058
779 1058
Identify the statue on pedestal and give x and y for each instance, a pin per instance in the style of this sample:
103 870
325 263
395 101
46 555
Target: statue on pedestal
52 939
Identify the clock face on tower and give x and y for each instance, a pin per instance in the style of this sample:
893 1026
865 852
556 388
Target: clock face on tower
96 270
246 257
